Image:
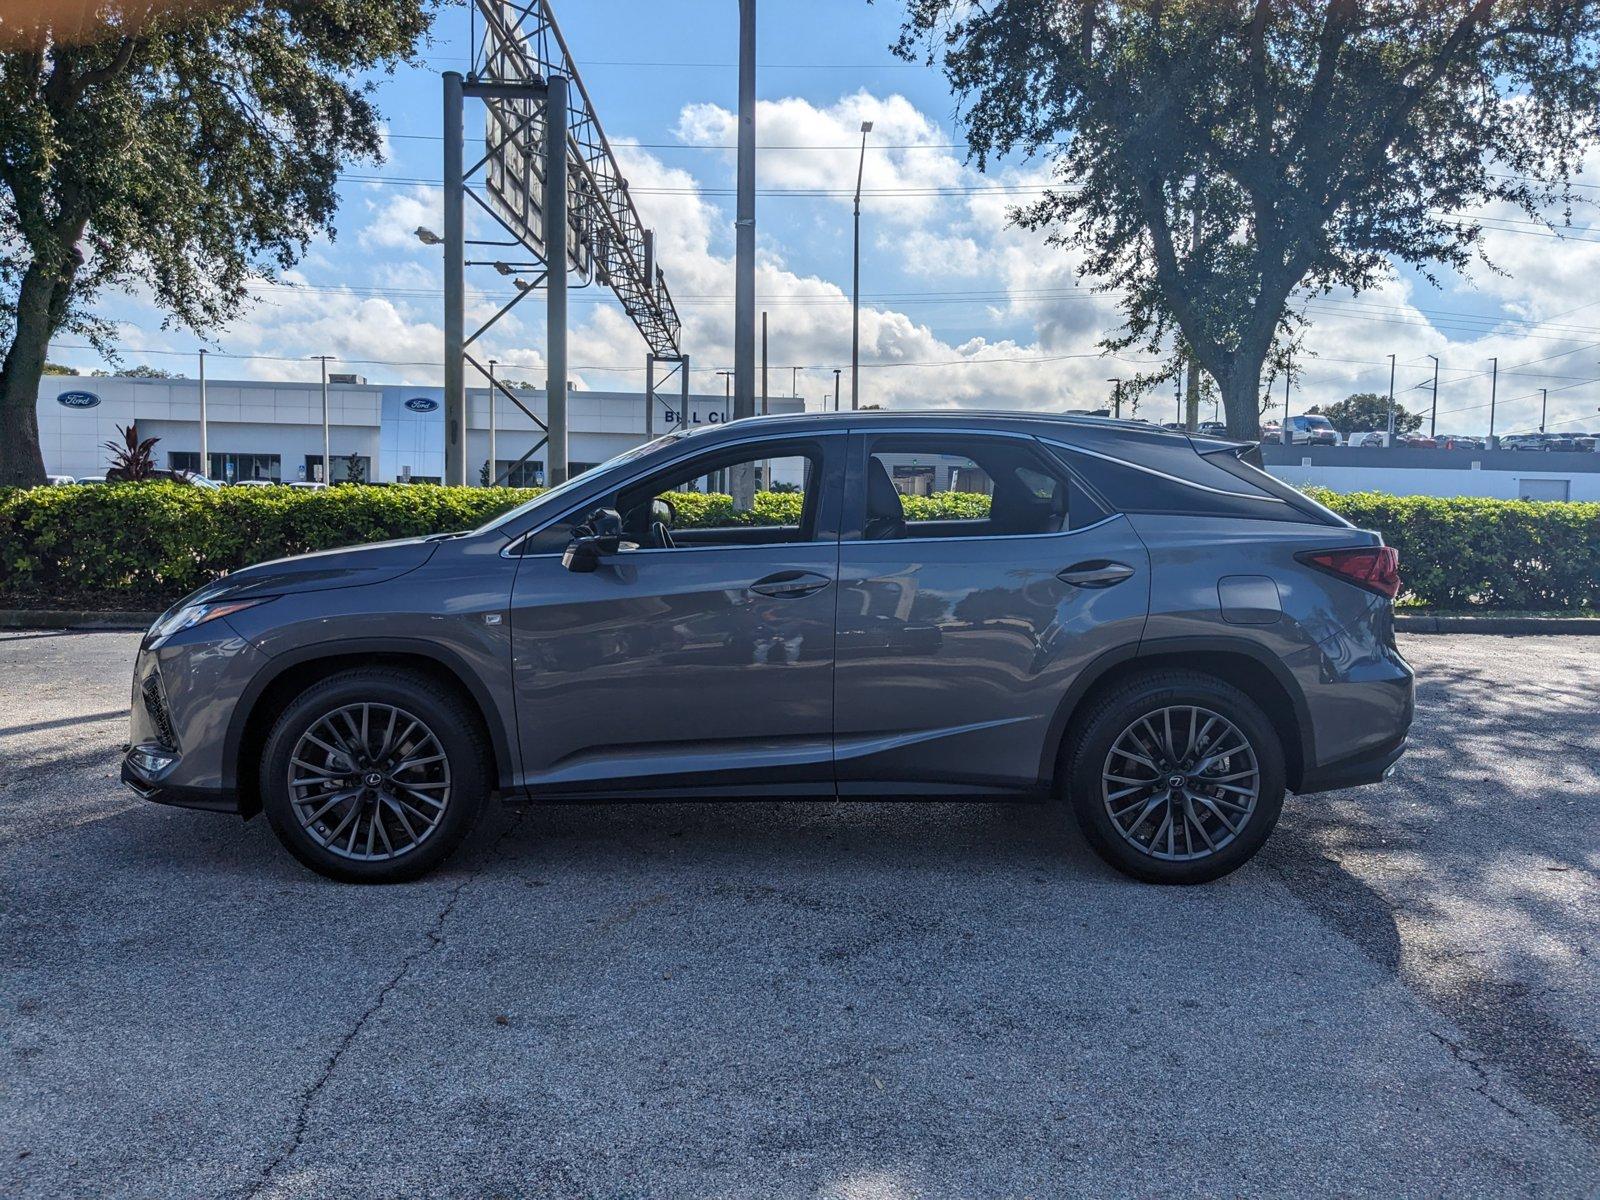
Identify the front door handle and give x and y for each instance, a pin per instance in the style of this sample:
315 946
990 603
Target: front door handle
790 585
1097 573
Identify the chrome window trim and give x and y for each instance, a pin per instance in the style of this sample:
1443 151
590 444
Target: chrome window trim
1189 483
509 550
978 537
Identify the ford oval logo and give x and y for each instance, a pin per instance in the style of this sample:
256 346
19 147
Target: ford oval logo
77 399
421 404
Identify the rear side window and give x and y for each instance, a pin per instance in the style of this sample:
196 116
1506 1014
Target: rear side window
1171 478
941 485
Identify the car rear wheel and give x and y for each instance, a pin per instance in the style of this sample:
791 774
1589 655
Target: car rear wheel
1176 777
374 776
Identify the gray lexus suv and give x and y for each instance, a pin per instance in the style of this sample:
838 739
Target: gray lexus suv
932 605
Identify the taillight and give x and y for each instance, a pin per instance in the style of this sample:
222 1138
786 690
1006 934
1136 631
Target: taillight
1376 568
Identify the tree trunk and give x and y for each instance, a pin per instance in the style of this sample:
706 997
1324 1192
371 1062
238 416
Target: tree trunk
1241 398
21 463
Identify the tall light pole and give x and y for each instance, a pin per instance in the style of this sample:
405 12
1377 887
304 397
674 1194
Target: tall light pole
1116 396
744 317
855 282
1544 406
836 373
1391 400
1494 386
455 287
1433 419
494 467
205 447
327 463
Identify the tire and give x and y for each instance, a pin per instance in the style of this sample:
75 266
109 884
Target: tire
425 774
1221 827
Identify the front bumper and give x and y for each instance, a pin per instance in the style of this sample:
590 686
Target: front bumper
138 777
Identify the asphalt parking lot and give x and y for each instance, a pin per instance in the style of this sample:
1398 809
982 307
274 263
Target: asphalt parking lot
1400 997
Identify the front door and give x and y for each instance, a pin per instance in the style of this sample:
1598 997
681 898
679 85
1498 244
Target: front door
699 658
976 580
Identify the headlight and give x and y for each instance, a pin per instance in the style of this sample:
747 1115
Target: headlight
191 615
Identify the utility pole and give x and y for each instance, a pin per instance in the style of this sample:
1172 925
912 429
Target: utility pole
1391 400
1433 419
1494 386
1116 397
1177 395
494 467
794 381
855 282
1544 406
763 362
205 448
745 220
836 373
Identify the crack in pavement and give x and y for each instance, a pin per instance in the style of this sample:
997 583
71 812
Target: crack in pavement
435 939
1484 1082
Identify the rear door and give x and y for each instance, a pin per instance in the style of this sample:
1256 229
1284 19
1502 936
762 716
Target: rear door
977 578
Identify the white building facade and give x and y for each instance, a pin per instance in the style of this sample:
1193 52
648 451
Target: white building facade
386 433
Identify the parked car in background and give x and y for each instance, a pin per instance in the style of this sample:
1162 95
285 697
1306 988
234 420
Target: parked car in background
254 483
313 485
1415 441
1586 442
90 479
59 480
1367 437
1312 429
1212 429
1559 441
1522 441
587 645
1457 441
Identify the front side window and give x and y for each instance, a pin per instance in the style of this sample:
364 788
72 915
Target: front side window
757 495
942 486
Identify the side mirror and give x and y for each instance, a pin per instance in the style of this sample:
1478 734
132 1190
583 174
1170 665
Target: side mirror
598 537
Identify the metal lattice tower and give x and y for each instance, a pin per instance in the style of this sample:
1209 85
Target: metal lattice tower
546 164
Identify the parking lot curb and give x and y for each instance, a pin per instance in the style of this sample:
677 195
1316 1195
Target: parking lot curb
1427 623
40 618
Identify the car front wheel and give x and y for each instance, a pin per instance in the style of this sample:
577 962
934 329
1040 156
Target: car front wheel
1176 777
374 775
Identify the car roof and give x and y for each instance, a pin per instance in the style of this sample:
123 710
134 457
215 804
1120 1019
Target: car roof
1044 424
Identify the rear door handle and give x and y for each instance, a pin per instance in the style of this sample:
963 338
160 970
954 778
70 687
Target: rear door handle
1097 573
790 585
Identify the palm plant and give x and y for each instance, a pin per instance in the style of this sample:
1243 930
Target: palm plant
131 460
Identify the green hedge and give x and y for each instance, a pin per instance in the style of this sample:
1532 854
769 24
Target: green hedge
141 546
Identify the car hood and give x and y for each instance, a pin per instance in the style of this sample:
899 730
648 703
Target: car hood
321 571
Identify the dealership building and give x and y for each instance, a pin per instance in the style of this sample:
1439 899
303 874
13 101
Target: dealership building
389 432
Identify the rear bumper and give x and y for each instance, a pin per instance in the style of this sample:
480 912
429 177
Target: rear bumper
1369 766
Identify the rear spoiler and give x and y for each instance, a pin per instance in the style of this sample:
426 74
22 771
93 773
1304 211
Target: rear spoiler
1247 452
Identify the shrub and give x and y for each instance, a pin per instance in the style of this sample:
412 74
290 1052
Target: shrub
141 546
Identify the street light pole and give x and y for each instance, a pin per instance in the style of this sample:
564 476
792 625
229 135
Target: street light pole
1116 396
1544 406
1433 418
1391 401
205 448
836 373
327 464
855 282
1494 386
494 467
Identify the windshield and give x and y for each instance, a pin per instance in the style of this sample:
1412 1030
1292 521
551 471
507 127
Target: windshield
1319 422
555 494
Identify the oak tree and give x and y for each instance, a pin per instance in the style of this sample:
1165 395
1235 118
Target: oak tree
1216 162
187 156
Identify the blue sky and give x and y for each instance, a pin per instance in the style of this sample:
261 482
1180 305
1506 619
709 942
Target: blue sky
959 309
